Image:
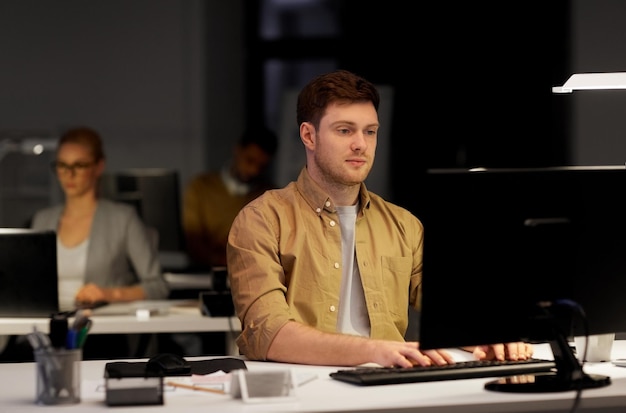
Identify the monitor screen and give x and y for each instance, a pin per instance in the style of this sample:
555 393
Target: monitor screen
28 273
516 254
155 194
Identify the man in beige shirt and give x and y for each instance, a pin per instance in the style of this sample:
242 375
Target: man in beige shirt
213 198
322 271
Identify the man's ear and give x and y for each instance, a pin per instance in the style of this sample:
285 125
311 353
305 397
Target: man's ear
307 134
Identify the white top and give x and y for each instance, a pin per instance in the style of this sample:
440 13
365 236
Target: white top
353 317
71 264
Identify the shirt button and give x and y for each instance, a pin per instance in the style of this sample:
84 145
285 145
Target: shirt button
318 210
332 308
332 223
327 203
336 265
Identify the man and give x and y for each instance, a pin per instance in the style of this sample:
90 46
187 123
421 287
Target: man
320 269
213 199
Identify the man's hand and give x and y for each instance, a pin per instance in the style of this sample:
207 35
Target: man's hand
407 354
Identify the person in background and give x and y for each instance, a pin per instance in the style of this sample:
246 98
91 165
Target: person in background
105 252
212 199
210 202
323 271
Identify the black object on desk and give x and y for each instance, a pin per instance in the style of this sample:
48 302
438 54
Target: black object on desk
169 364
120 369
219 301
129 384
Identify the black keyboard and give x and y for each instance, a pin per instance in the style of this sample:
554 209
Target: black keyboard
367 376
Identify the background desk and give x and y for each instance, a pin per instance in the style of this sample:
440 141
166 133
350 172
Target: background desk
17 394
184 316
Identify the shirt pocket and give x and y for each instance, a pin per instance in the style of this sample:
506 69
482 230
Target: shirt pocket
396 274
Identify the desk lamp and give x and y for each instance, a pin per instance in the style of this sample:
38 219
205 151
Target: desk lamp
25 146
592 81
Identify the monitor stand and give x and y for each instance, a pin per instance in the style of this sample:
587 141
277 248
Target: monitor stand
569 374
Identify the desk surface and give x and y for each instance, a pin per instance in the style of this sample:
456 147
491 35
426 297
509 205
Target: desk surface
324 394
182 316
175 316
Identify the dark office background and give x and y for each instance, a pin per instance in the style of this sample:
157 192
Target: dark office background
171 83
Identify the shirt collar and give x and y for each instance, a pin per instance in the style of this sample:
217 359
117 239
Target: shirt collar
233 185
318 199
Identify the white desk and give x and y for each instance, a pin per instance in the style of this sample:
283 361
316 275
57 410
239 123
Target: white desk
182 316
324 394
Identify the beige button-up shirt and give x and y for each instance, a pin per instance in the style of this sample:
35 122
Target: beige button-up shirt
284 263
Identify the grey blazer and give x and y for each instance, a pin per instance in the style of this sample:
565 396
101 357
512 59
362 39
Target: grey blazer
120 251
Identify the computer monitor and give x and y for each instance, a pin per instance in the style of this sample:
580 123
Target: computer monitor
155 193
28 273
523 255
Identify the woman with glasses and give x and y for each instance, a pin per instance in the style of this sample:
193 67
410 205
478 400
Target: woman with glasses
105 252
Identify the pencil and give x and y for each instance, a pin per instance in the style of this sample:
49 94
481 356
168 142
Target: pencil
192 387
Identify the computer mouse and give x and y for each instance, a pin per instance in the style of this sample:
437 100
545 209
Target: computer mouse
169 364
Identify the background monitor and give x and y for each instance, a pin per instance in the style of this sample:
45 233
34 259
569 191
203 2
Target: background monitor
515 254
28 273
155 193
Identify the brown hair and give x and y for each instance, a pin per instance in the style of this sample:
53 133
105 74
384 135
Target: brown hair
87 137
337 86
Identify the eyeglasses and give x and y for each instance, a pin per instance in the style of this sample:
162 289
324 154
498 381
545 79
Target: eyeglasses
78 167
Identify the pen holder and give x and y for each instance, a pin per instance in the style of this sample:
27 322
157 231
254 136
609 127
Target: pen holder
58 376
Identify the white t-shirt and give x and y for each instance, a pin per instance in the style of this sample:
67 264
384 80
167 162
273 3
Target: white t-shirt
353 317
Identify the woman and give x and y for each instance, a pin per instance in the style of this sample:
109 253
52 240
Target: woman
104 250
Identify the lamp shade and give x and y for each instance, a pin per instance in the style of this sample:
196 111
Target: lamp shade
592 81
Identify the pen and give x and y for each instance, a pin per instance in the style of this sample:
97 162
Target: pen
82 334
72 339
193 387
81 320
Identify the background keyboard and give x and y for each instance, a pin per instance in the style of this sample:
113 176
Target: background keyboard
460 370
